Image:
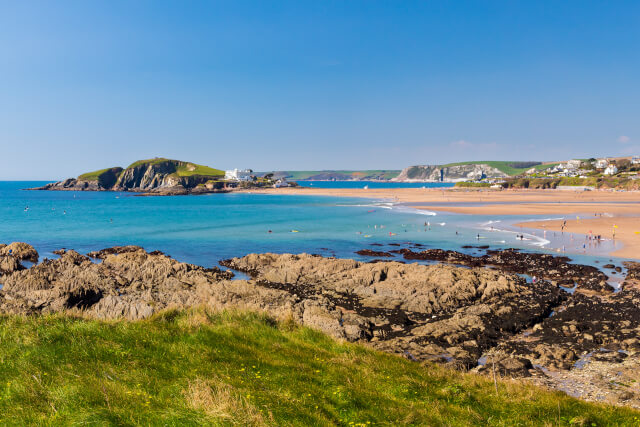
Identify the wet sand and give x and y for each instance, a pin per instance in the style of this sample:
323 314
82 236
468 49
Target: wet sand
599 211
625 232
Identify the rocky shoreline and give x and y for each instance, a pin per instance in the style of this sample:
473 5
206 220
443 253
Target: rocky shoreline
568 329
73 184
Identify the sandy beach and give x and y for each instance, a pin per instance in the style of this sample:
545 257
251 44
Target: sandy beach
448 195
625 230
598 211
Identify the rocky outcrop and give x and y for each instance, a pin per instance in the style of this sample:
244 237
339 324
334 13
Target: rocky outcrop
20 251
152 177
434 173
557 269
433 312
489 320
132 284
149 176
73 184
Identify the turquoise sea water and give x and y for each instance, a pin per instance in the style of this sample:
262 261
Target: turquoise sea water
205 229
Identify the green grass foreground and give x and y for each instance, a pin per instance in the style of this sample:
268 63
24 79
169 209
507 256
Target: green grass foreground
193 368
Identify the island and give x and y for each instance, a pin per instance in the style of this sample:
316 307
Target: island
162 177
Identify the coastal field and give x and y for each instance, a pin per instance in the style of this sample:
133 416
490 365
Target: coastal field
598 211
197 367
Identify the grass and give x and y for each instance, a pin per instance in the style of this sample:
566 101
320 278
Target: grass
94 176
197 367
509 167
182 168
373 173
153 161
198 170
466 184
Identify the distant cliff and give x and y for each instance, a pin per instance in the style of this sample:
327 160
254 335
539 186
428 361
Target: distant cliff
159 176
463 172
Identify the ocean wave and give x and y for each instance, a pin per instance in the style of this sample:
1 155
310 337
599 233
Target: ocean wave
414 210
527 237
381 206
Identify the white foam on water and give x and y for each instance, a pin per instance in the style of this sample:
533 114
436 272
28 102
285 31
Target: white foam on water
414 210
535 240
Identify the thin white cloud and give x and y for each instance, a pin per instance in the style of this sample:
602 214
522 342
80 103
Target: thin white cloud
623 139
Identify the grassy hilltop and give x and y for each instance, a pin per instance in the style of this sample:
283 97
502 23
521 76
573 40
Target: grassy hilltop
196 367
107 178
510 168
181 169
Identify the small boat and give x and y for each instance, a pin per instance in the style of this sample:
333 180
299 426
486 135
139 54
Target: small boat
295 231
366 187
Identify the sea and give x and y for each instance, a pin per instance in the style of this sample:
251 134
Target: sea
205 229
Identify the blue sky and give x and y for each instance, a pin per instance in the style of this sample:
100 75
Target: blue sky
314 84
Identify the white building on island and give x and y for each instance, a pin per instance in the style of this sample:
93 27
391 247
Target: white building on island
610 170
238 175
281 183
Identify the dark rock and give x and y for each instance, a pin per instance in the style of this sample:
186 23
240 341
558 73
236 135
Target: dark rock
368 252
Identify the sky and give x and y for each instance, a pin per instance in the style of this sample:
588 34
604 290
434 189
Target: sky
308 85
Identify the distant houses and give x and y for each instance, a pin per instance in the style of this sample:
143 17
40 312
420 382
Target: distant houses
238 175
601 163
610 170
572 164
281 183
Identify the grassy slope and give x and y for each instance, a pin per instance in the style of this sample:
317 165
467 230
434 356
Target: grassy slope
154 161
199 170
197 368
301 175
503 166
182 170
93 176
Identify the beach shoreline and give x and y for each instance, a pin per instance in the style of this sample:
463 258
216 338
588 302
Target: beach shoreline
588 213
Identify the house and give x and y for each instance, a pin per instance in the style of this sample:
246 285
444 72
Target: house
611 170
281 183
635 160
601 163
238 175
573 164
